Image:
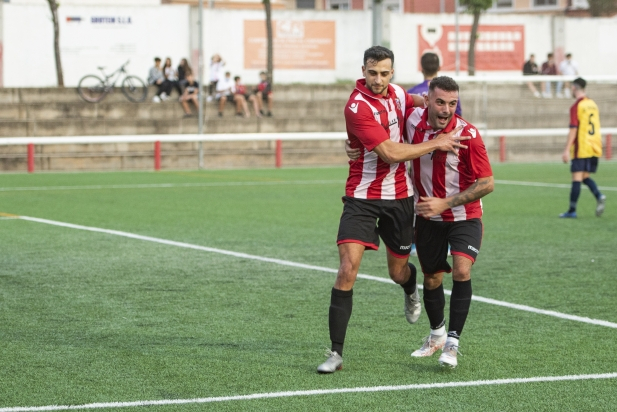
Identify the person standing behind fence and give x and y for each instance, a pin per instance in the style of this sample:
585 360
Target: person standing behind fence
568 67
216 73
156 77
530 68
430 69
584 147
550 69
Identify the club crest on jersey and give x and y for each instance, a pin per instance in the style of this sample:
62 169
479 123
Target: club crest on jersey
398 103
472 132
354 107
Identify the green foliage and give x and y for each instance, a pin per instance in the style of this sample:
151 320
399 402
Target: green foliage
475 6
599 8
92 317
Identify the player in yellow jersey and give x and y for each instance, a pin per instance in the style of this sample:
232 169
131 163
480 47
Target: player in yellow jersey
584 147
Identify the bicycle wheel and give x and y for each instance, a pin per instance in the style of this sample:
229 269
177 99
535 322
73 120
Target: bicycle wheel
91 88
134 89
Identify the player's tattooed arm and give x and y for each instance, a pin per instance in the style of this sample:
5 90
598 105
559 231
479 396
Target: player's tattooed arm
433 206
477 190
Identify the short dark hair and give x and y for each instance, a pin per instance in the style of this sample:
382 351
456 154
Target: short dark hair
444 83
157 59
569 55
236 78
378 53
580 82
549 55
429 63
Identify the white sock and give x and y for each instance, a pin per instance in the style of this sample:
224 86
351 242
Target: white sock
439 331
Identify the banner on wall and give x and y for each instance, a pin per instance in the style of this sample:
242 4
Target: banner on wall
497 47
297 44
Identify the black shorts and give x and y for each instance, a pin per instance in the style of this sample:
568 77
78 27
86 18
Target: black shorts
365 221
433 237
588 164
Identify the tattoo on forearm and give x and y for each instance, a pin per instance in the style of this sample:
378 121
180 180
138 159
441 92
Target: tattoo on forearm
474 192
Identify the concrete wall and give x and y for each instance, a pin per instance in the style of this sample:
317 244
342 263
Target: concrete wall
141 31
135 33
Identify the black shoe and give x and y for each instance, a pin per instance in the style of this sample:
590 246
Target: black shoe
269 114
239 115
220 114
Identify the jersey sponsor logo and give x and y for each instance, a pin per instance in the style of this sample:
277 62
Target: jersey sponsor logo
473 248
472 132
405 247
354 107
393 122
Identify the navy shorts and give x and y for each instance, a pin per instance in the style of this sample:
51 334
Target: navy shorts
587 164
433 238
365 221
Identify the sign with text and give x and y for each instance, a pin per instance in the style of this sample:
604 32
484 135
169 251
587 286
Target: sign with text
297 44
497 47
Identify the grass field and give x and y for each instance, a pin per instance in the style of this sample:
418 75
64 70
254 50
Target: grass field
209 290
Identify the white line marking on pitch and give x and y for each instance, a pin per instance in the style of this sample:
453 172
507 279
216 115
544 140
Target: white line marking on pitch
224 184
170 185
541 184
270 395
309 267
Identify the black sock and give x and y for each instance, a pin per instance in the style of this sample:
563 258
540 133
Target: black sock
410 286
593 187
574 194
434 303
459 307
341 303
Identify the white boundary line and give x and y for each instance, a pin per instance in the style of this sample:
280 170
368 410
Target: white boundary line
258 183
309 267
270 395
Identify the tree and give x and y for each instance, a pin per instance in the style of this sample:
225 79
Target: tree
53 6
475 7
599 8
270 61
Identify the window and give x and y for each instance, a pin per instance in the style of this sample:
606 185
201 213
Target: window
339 4
305 4
540 3
504 4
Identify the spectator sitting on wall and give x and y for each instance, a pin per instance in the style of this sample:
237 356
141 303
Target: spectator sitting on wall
568 67
216 68
243 96
190 94
549 69
226 91
183 70
171 76
262 92
156 77
530 68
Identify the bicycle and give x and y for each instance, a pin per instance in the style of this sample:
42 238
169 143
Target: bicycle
93 89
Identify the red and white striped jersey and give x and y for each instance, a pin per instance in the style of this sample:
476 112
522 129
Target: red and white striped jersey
372 119
444 174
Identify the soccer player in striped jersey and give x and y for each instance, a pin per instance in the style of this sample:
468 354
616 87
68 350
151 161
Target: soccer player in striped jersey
584 147
378 194
448 187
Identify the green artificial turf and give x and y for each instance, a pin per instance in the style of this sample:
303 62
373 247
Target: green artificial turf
94 317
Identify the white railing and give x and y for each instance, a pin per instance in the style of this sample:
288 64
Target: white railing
157 139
